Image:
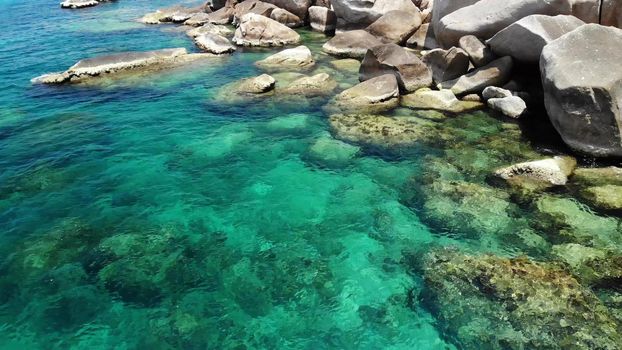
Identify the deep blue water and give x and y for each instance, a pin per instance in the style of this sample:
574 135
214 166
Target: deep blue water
148 213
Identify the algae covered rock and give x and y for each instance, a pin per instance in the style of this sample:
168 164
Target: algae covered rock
257 30
595 267
498 303
374 95
540 174
598 176
607 197
443 100
317 85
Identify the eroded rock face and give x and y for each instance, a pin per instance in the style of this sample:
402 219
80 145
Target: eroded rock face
494 302
447 64
362 12
496 73
352 44
257 30
298 57
322 19
544 173
374 95
582 80
214 43
487 17
411 73
525 39
396 26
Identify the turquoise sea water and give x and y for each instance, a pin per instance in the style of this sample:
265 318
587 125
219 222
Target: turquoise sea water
147 213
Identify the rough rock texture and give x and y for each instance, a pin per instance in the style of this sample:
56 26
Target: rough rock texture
209 28
423 38
214 43
598 176
443 100
257 30
198 19
479 53
317 85
446 64
525 39
411 73
607 197
496 73
495 92
443 8
395 26
376 94
487 17
222 16
362 12
380 131
542 173
78 4
287 18
596 267
490 302
582 80
256 85
252 6
298 57
322 19
512 106
611 14
353 44
297 7
95 67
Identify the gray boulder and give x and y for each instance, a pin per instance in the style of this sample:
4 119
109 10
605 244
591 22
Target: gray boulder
525 39
611 13
495 92
252 6
322 19
209 28
411 73
297 7
511 106
447 64
287 18
198 19
396 26
223 15
423 38
443 8
317 85
255 85
298 57
257 30
478 52
214 43
374 95
496 73
582 81
363 12
78 4
352 44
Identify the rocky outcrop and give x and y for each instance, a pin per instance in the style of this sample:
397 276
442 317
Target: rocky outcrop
525 39
362 12
478 52
176 14
128 61
496 73
352 44
423 38
395 26
317 85
287 18
541 173
223 15
443 100
374 95
214 43
582 79
490 302
487 17
446 64
322 19
78 4
299 57
257 30
411 73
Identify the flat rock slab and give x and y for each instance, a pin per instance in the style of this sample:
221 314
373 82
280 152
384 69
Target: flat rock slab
214 43
396 26
209 28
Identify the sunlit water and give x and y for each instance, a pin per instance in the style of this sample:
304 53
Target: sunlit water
147 213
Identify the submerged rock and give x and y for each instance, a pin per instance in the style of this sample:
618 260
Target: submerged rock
606 197
329 151
256 85
257 30
493 302
128 61
352 44
596 267
318 85
374 95
540 174
496 73
598 176
214 43
443 100
299 57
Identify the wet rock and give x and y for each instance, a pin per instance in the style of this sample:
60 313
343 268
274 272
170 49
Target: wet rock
512 106
525 39
596 267
376 94
539 174
606 197
129 61
209 28
396 26
379 130
256 85
322 19
287 18
299 57
494 302
443 100
318 85
78 4
478 52
496 73
329 151
352 44
198 19
581 76
214 43
598 176
362 12
257 30
411 73
423 38
446 64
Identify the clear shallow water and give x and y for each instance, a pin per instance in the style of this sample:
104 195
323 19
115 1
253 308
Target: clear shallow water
145 212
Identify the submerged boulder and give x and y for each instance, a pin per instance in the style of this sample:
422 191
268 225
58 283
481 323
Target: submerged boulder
256 85
598 176
581 76
525 39
606 197
376 94
299 57
214 43
352 44
317 85
396 26
494 302
257 30
322 19
496 73
411 73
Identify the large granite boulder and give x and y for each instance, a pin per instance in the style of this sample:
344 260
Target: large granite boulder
209 28
298 57
287 18
611 13
297 7
443 8
317 85
198 19
525 39
487 17
322 19
496 73
447 64
396 26
582 80
223 15
541 173
252 6
214 43
478 52
374 95
362 12
423 38
352 44
257 30
410 71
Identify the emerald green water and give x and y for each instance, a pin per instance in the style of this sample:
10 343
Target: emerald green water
147 213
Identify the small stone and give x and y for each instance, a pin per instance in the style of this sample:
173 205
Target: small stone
512 106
